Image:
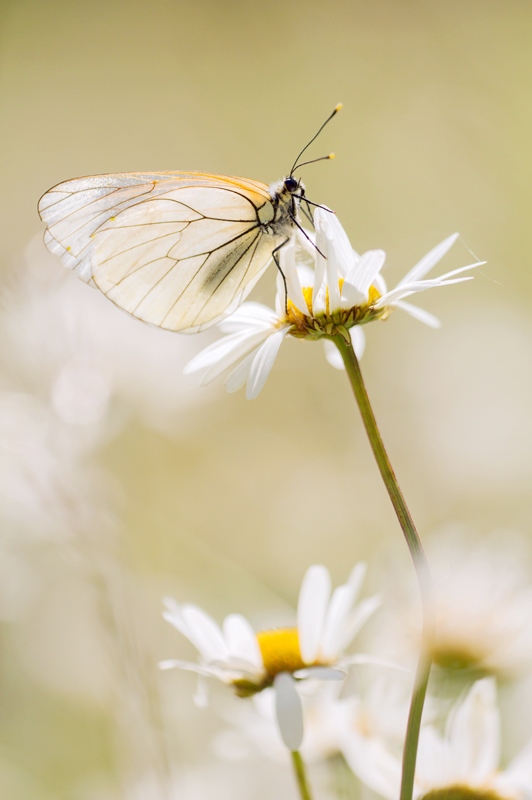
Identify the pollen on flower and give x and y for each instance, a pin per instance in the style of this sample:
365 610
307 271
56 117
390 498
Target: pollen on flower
329 324
374 295
294 315
280 650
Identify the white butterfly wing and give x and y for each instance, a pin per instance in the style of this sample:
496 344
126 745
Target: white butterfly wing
177 250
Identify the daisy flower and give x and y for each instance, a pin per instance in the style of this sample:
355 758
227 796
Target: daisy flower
483 607
342 291
250 662
460 764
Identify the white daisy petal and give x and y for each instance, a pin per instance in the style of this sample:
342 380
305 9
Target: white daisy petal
339 246
365 270
249 314
351 294
459 270
518 773
333 282
288 265
264 703
339 622
280 300
178 622
474 733
172 663
319 291
307 242
295 292
380 284
331 239
173 615
419 314
333 634
241 640
239 376
372 762
238 668
332 354
311 610
351 297
434 767
361 659
358 337
305 275
361 614
356 578
263 362
210 355
206 633
238 351
289 710
430 260
321 674
171 604
201 695
403 291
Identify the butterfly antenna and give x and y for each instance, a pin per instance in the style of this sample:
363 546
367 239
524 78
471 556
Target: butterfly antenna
314 160
336 110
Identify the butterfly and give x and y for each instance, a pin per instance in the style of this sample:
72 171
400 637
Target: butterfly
178 250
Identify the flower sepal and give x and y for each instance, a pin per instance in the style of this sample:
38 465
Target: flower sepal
245 688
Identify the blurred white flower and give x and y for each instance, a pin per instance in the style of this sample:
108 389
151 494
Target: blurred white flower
461 764
483 606
72 372
382 710
343 291
47 486
94 367
251 662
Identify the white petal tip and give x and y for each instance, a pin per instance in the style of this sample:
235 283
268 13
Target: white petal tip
289 711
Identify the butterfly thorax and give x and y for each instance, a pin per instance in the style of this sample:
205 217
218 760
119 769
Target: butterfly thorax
285 195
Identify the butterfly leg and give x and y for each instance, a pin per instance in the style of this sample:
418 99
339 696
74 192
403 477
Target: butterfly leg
305 234
309 213
278 265
306 212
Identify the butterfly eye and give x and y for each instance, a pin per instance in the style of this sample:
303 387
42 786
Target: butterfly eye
291 184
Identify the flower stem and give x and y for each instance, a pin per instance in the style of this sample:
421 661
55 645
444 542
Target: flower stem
418 557
301 775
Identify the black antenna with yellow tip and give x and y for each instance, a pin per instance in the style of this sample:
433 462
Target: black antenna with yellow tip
336 110
305 163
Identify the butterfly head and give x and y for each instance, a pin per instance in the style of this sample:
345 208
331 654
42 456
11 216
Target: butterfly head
291 184
287 192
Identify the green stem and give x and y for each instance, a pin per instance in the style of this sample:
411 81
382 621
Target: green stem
301 775
418 557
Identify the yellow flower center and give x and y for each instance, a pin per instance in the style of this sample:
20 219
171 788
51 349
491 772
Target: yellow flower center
459 792
280 650
329 324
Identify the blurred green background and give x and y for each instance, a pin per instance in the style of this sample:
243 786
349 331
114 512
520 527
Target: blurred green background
226 502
